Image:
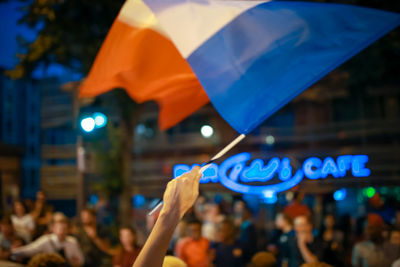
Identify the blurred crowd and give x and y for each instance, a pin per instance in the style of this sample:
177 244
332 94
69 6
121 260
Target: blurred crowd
210 234
37 229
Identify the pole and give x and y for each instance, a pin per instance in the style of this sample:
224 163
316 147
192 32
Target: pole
80 151
80 158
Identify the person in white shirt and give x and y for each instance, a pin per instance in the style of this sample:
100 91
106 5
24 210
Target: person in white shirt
212 218
56 242
23 222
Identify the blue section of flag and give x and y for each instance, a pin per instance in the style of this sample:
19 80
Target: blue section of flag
271 53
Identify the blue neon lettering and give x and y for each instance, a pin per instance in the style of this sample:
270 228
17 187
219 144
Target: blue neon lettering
344 164
232 184
311 168
180 169
329 167
358 166
210 174
286 170
235 167
257 173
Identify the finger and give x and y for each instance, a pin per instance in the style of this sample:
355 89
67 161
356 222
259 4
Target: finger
182 175
196 174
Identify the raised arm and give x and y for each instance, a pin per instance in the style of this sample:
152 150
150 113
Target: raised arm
31 249
178 198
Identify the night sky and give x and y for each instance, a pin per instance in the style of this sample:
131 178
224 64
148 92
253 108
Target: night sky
9 30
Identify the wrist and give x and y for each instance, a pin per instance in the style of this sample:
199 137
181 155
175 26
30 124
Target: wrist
169 217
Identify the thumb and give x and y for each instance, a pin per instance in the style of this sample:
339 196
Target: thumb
196 174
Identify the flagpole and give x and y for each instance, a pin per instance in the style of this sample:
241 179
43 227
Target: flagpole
217 156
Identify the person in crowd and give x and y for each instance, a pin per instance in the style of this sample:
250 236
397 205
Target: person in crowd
316 264
8 238
396 219
22 221
391 247
396 263
212 217
228 251
74 224
296 207
42 214
238 208
29 204
304 247
395 236
194 249
57 242
104 215
378 206
199 207
47 260
345 225
129 249
284 223
371 252
333 239
93 239
171 261
248 234
179 233
263 259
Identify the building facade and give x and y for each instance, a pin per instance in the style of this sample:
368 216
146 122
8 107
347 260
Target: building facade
20 135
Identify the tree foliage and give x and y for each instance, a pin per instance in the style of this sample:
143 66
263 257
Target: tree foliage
108 161
70 32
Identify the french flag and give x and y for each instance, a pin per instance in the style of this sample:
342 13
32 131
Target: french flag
248 57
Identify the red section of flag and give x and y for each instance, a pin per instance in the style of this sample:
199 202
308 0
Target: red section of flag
149 67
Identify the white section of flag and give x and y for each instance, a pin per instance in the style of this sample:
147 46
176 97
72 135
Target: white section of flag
190 24
137 14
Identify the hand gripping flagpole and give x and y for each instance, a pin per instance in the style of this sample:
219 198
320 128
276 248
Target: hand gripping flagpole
217 156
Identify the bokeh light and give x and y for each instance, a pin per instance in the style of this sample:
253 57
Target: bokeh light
270 140
88 124
100 119
207 131
340 194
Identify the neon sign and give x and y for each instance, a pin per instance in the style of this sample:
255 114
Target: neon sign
244 178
